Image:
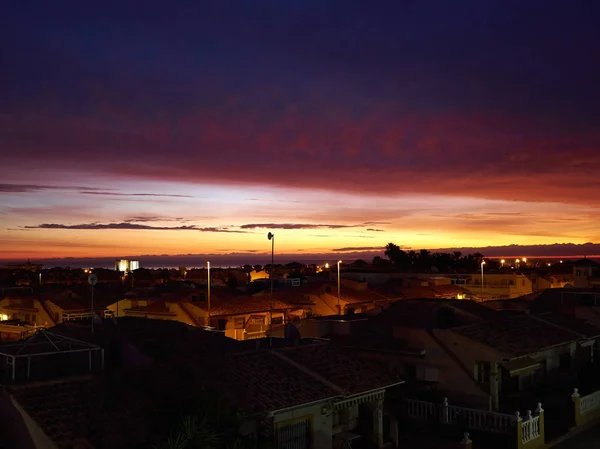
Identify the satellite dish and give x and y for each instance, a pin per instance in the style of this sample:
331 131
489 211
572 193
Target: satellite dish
270 235
93 279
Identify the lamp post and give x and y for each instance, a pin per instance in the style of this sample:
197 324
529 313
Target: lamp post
271 237
208 290
482 264
338 279
93 280
502 262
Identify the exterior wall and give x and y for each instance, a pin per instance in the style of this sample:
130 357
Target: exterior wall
468 353
176 311
231 331
321 423
37 315
438 365
370 278
332 302
496 285
353 284
550 359
254 275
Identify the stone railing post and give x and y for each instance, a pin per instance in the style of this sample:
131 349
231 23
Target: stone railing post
466 442
576 398
539 411
519 432
445 418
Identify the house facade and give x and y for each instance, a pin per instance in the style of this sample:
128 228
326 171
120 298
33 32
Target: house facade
509 356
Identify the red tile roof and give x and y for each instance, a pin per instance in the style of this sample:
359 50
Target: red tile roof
579 327
423 313
518 335
86 408
261 381
240 305
340 366
113 413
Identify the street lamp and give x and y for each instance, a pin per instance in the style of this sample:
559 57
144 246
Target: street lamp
338 279
271 237
482 264
525 260
208 290
502 262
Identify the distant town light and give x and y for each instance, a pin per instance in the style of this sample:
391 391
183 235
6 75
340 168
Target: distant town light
327 265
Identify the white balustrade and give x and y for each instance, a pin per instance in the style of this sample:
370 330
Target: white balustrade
589 403
419 409
530 427
473 419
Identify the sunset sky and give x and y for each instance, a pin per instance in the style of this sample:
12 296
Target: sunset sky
197 127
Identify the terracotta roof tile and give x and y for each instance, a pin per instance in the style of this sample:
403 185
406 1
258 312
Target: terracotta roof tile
241 305
423 313
341 366
261 381
517 335
574 325
112 412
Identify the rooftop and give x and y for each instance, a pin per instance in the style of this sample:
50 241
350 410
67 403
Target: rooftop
240 305
520 335
425 313
111 410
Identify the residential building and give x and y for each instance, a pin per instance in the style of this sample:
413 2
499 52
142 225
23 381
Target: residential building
510 355
312 395
496 285
354 297
402 338
586 273
239 317
544 281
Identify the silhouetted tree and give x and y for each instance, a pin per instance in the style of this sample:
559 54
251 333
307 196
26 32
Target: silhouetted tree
378 261
396 256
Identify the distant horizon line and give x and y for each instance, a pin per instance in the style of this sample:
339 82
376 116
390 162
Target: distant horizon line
236 260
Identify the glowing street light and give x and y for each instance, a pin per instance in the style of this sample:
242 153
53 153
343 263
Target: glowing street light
524 259
338 279
271 237
502 262
482 264
208 289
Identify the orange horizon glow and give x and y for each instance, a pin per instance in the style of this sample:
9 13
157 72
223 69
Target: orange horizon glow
224 219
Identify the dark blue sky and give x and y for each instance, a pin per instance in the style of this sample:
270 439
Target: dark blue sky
522 57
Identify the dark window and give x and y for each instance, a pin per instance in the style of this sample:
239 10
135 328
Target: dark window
294 436
565 362
482 372
278 320
410 372
222 325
